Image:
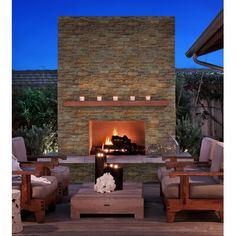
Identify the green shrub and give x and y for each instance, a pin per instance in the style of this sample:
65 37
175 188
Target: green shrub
38 140
189 135
36 106
183 99
35 118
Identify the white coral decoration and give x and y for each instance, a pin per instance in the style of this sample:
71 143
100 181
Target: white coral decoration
105 184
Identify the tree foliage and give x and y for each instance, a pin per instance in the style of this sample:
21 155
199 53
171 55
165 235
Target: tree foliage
36 107
189 135
193 90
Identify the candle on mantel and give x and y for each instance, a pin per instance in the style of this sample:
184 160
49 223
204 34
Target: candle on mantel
132 98
99 98
117 172
82 98
148 98
100 164
115 98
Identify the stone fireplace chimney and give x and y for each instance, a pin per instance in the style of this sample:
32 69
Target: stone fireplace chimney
105 57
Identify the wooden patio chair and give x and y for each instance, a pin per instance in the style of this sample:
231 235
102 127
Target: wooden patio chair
195 188
36 197
47 168
204 159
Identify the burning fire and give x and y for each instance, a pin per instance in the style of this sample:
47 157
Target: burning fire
109 145
115 132
108 139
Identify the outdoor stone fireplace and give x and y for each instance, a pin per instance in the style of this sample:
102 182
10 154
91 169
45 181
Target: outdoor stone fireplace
115 56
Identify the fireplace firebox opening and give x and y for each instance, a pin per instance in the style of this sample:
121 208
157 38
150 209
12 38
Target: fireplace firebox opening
117 137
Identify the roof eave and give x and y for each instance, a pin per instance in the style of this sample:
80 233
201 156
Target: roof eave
210 40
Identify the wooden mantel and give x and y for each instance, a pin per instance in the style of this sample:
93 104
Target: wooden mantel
158 103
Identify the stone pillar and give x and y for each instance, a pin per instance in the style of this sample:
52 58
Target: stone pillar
16 216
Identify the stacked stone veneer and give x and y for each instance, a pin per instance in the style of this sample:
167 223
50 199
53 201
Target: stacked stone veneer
107 56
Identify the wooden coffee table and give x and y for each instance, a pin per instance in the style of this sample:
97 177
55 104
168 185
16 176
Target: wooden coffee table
126 201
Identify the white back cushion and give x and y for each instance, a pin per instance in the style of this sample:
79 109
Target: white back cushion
218 156
15 163
213 145
205 149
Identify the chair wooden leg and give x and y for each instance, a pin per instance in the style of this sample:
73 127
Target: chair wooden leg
221 215
39 209
59 195
60 189
40 216
52 206
66 191
161 193
170 216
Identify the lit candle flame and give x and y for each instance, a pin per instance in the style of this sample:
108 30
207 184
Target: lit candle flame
100 154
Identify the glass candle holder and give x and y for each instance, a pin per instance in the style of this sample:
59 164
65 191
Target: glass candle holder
132 98
99 98
82 98
115 98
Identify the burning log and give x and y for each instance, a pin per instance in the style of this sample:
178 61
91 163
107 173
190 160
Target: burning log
120 145
123 145
120 141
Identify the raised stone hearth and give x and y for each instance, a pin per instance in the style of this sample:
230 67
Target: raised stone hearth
115 56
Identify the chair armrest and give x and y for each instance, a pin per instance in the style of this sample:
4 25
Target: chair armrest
53 155
36 164
174 158
54 158
24 172
25 186
41 167
188 173
178 164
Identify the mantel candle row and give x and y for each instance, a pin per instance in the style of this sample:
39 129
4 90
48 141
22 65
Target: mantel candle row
114 98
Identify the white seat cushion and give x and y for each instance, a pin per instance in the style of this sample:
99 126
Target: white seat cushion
200 187
39 189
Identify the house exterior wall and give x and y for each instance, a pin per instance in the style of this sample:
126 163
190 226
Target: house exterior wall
108 56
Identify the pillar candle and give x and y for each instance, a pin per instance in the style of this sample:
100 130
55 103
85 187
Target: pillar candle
99 98
82 98
117 173
132 98
100 162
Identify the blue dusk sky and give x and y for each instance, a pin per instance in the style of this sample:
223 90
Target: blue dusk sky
34 26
